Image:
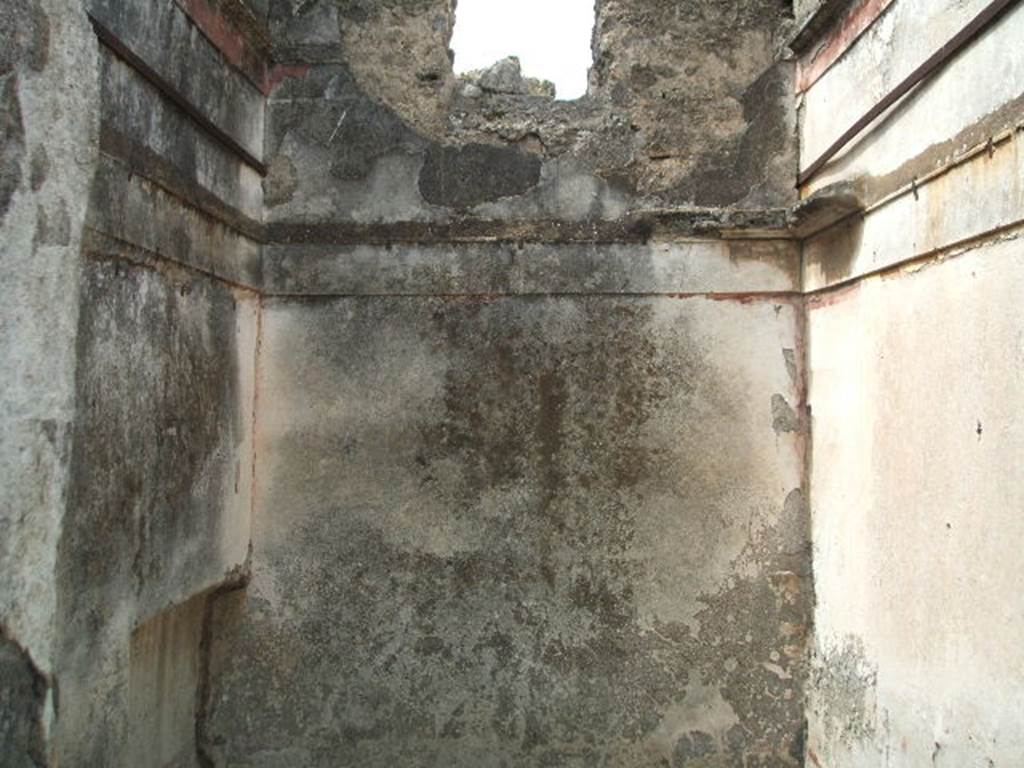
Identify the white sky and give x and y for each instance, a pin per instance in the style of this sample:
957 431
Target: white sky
550 37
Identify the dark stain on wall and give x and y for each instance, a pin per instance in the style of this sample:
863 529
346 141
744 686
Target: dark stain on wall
52 228
325 109
159 417
40 169
22 699
24 36
24 47
463 176
835 249
734 169
844 680
12 141
784 418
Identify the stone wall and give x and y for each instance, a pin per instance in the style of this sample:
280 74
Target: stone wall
689 104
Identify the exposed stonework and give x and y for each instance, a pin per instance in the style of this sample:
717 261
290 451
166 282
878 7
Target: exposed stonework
687 105
505 76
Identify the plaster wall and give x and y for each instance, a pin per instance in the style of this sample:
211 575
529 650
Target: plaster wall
914 362
975 96
916 540
529 487
505 408
160 495
523 530
129 332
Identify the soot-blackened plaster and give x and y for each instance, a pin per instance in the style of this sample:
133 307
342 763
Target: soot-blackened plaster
24 46
161 464
495 172
689 104
22 703
12 140
519 531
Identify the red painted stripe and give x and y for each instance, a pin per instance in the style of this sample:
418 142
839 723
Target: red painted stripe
820 59
234 46
280 72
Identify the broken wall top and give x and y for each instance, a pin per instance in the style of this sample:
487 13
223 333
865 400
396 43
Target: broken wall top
689 105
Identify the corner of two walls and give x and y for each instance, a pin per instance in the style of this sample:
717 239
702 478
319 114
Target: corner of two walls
915 362
131 216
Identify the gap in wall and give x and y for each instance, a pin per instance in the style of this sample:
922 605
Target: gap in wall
552 40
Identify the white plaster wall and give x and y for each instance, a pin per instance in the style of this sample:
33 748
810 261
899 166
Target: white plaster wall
917 494
915 364
975 199
989 74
